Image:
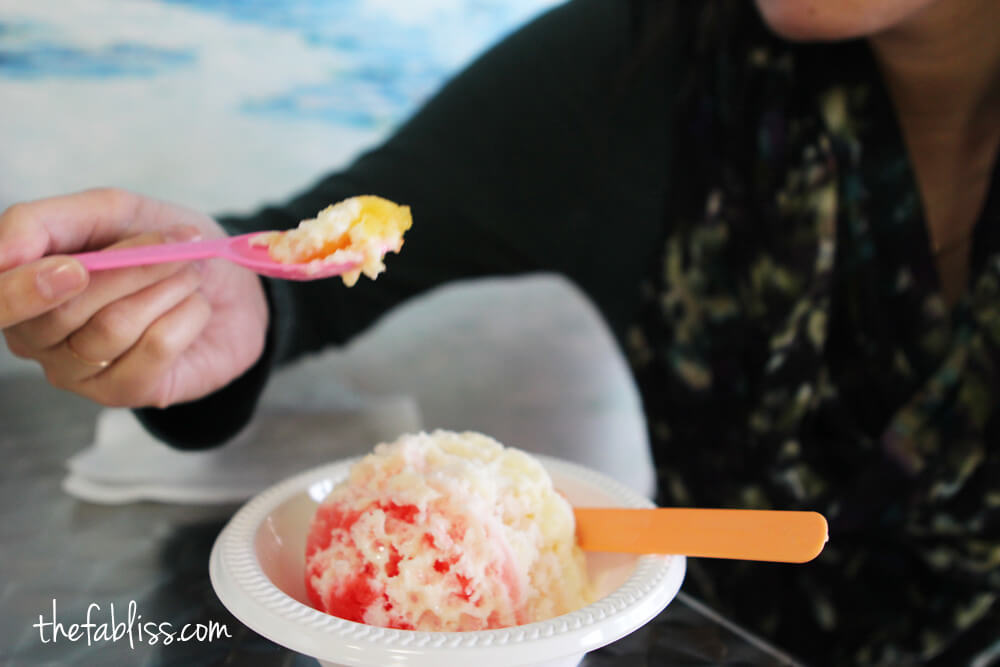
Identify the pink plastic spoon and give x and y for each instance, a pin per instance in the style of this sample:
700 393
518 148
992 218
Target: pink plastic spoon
236 249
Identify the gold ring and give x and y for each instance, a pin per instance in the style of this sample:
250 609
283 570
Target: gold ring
83 360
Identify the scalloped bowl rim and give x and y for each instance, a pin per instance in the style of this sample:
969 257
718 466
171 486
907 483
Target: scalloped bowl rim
248 593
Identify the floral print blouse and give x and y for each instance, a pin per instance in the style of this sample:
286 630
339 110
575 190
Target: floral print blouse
795 352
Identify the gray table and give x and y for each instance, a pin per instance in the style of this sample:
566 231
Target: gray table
527 361
54 547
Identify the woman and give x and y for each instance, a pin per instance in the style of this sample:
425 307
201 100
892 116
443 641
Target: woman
789 219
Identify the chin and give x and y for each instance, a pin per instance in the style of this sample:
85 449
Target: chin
834 20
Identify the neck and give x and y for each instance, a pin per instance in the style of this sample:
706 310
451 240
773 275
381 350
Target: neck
942 69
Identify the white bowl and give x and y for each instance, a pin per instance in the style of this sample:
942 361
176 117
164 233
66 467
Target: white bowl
257 570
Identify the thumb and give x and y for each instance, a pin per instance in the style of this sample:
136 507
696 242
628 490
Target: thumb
65 224
20 243
33 289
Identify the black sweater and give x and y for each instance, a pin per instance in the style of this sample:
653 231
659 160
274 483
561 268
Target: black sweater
546 151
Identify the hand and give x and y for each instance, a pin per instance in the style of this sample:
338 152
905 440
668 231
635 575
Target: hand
146 336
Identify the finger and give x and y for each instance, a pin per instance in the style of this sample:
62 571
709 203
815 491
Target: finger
30 291
141 376
106 287
69 223
116 328
16 347
172 234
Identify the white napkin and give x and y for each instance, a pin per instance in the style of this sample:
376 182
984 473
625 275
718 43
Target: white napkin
126 464
528 361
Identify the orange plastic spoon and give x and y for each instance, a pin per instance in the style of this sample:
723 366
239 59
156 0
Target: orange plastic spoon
778 536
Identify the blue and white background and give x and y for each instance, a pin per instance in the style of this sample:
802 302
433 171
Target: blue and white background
220 105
